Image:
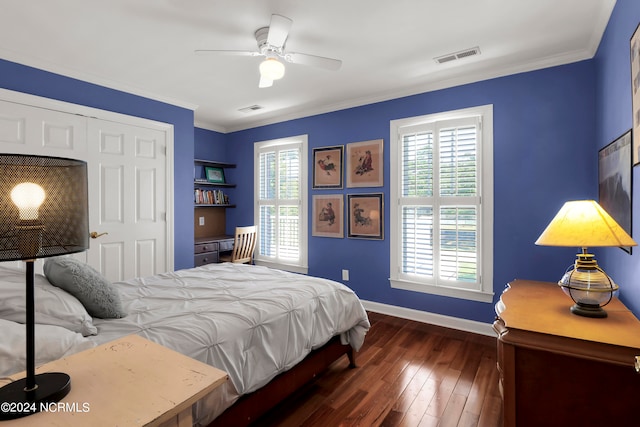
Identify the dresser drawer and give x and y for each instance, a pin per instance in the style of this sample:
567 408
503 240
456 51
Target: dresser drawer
206 258
205 247
225 245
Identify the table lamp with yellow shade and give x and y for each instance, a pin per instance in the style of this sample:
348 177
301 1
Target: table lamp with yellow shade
583 224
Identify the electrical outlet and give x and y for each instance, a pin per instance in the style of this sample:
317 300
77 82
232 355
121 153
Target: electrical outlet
201 220
345 275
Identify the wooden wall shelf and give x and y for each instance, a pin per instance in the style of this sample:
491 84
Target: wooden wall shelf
209 218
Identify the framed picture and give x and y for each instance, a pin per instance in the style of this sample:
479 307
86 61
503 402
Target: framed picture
215 175
635 93
365 216
328 216
615 181
327 167
364 164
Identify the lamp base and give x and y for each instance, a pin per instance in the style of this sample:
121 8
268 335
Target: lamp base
588 310
16 402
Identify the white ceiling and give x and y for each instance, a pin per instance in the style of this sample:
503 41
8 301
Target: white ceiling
387 47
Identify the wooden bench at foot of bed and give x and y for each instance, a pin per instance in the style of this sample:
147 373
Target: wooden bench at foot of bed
252 406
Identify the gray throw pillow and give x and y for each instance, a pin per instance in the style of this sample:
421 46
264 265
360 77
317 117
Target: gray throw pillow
97 294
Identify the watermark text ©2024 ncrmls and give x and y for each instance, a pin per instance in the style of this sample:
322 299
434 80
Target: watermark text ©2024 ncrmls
32 407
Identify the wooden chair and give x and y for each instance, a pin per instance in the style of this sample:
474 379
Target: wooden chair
243 246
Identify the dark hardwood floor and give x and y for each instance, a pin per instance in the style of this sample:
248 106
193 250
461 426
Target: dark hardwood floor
409 374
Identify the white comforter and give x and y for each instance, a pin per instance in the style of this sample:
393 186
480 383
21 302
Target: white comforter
252 322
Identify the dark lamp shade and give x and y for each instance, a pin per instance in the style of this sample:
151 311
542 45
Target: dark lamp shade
60 224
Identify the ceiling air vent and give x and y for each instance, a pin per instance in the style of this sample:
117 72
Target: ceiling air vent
251 108
457 55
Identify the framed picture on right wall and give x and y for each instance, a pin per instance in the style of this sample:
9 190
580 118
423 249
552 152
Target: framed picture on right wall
615 181
634 54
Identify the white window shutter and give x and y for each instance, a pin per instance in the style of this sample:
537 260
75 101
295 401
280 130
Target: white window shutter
436 186
281 203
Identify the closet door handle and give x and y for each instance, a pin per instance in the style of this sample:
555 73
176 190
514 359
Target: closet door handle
95 235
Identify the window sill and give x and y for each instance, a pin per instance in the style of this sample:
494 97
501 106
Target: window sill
286 267
442 290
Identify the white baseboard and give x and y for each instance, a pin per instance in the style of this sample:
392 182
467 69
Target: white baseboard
431 318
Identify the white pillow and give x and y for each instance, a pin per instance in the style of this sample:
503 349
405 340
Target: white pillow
53 306
52 343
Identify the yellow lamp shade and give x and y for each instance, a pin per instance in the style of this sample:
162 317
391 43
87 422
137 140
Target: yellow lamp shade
583 223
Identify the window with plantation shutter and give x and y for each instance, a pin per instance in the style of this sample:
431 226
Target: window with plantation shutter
442 203
280 183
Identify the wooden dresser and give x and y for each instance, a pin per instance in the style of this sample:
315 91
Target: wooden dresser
560 369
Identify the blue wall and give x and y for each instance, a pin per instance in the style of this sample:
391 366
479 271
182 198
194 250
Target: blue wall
544 154
613 118
20 78
210 145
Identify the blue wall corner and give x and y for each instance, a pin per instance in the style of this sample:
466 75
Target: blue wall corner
614 116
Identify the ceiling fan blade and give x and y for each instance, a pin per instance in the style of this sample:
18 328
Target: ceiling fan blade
226 52
278 30
314 61
265 83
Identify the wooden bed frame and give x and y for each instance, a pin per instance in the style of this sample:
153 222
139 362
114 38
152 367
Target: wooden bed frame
252 406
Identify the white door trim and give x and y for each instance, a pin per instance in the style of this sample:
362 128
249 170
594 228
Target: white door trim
67 107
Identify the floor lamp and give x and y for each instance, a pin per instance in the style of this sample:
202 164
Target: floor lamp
43 213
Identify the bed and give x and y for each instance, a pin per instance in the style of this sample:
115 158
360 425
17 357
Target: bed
268 329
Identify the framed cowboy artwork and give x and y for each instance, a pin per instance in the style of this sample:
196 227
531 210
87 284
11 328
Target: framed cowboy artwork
328 215
364 164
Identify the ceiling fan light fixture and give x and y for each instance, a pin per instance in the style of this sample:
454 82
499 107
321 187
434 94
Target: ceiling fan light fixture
272 69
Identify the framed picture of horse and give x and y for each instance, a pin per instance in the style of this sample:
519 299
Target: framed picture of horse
365 216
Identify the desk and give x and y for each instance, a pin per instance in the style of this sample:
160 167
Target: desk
560 369
207 250
127 382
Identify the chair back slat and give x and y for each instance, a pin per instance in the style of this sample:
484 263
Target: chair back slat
244 244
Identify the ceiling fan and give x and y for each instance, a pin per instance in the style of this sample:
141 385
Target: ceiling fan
271 41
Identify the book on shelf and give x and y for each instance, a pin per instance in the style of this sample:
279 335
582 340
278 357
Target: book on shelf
210 197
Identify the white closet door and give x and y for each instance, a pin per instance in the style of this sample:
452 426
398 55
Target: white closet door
25 129
128 180
128 198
